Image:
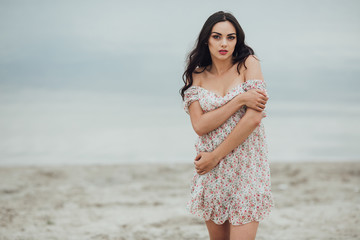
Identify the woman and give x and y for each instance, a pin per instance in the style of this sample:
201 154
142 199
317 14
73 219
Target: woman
225 96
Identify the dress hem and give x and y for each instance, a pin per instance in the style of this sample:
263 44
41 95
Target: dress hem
265 214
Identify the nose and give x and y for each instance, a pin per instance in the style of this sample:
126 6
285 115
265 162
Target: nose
224 42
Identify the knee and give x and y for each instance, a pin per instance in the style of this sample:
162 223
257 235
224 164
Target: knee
219 232
226 237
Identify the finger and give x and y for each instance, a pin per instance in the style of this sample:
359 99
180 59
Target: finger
264 98
262 104
260 107
262 92
198 157
255 107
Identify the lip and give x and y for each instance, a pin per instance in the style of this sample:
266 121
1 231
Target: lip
223 52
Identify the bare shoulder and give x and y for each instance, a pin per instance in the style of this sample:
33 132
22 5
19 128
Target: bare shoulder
253 68
252 61
198 76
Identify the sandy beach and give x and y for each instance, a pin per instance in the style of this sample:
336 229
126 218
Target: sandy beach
147 201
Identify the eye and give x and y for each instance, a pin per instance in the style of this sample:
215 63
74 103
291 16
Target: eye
216 36
231 37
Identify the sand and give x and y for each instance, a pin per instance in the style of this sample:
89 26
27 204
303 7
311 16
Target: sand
147 201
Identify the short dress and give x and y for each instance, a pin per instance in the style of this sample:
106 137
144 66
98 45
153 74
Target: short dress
238 189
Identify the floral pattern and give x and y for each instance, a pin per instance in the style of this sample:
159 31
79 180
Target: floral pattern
238 189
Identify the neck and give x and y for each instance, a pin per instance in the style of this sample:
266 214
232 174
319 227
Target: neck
219 67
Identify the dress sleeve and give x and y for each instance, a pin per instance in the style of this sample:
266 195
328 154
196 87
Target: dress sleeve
258 84
190 96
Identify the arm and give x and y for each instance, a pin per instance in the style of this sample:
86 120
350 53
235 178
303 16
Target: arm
248 122
205 161
239 134
206 122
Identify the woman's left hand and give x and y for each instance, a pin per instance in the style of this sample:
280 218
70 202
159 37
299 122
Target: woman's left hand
204 162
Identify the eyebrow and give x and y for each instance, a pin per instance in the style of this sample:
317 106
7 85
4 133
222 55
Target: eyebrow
221 34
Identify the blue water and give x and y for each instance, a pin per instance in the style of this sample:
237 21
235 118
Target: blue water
74 127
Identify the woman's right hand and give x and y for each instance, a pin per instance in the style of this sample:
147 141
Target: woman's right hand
255 99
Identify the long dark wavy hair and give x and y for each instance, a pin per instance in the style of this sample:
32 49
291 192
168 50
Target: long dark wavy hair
200 55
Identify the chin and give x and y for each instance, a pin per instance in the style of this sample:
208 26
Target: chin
222 57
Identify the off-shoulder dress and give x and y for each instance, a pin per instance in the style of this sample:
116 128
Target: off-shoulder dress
238 189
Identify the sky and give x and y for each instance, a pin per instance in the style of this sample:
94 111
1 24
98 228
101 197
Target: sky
100 80
307 48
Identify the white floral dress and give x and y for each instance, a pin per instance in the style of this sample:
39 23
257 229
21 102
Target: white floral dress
238 189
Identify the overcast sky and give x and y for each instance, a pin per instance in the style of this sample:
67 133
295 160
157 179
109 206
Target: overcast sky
69 65
308 48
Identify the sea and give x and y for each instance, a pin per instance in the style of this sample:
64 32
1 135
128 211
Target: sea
66 127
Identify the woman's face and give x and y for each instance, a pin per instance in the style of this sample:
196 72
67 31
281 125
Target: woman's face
222 40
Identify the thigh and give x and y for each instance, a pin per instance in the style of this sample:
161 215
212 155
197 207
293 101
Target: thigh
244 232
218 232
